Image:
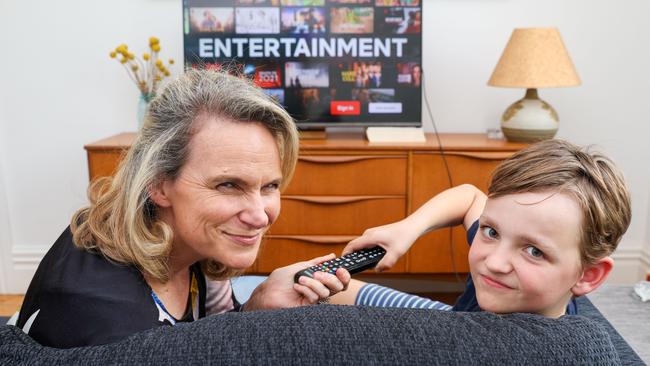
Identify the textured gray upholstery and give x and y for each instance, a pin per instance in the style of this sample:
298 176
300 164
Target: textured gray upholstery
342 335
625 352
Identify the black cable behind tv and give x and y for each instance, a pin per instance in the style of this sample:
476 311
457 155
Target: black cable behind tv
447 170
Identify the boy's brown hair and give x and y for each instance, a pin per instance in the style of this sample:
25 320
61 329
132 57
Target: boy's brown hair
590 177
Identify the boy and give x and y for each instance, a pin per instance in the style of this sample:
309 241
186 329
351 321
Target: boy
542 236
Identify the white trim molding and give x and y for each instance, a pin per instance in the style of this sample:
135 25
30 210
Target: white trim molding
24 260
645 263
630 266
27 257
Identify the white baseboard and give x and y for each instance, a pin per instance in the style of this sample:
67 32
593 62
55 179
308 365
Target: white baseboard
630 266
24 260
645 263
26 257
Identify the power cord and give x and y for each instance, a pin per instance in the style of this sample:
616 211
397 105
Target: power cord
447 170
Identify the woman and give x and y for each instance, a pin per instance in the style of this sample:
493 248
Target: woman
185 212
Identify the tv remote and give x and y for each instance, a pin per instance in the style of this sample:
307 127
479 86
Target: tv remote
354 262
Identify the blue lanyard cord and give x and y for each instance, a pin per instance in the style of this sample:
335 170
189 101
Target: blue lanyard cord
162 306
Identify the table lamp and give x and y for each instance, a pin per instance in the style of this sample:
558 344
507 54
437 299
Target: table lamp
533 58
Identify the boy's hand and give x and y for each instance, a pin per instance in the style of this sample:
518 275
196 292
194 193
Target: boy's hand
396 238
279 291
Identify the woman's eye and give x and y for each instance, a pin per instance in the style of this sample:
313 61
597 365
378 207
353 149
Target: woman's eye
226 185
490 232
272 187
533 251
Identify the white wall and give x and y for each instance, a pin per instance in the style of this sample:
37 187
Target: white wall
608 42
5 230
59 90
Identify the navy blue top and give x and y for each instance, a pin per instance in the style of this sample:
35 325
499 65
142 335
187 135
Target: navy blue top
81 298
467 300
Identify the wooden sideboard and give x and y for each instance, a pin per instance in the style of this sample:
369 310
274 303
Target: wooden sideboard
343 185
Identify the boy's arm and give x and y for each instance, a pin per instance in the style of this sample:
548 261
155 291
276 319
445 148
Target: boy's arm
458 205
462 204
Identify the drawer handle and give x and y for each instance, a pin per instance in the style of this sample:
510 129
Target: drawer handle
319 239
484 155
344 159
477 155
333 200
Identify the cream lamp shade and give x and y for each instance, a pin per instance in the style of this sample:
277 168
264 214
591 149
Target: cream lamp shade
533 58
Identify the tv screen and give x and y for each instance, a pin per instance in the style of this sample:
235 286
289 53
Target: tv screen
329 62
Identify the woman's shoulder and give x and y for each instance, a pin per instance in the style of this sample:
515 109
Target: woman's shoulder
70 266
75 292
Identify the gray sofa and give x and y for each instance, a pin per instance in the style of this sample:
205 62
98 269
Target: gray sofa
328 334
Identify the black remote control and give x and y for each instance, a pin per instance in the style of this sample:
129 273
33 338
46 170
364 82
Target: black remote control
354 262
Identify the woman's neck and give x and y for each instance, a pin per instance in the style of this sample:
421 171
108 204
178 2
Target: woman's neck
173 293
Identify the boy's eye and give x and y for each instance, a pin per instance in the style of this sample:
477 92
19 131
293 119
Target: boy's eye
490 232
533 251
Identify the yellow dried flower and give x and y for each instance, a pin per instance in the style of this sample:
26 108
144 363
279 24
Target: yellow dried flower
147 72
171 61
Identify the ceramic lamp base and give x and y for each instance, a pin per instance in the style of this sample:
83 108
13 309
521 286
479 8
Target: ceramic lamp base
529 119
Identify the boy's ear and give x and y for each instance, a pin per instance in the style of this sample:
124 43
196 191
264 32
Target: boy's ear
593 276
158 194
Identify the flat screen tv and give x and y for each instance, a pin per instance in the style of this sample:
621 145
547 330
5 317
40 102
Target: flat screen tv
329 62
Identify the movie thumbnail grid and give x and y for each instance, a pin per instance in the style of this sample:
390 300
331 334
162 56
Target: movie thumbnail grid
314 74
302 86
305 17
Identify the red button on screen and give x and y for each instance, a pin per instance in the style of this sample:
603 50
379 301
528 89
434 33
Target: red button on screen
345 108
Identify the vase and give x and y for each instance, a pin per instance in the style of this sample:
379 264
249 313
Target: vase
530 119
143 105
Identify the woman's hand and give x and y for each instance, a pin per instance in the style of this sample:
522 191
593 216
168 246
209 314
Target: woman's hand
279 291
396 238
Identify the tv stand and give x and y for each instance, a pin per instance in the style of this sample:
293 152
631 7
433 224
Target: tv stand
344 185
313 134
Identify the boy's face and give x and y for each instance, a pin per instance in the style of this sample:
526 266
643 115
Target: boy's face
525 256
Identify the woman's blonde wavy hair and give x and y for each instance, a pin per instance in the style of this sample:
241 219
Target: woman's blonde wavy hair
121 222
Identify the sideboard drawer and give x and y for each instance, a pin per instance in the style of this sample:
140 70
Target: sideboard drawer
439 251
282 250
349 175
337 215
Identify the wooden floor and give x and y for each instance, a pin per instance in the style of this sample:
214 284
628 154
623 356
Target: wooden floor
9 304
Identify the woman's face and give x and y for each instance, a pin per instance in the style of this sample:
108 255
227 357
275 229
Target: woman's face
226 195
